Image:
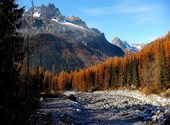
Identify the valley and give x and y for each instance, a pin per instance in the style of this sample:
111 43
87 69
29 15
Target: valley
57 70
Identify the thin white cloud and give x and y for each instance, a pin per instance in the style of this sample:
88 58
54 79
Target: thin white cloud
146 17
98 11
142 13
122 9
133 8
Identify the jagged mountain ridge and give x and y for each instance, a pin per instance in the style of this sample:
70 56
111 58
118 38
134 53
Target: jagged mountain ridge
51 12
66 42
124 45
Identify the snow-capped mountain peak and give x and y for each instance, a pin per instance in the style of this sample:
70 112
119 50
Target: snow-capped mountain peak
124 45
48 12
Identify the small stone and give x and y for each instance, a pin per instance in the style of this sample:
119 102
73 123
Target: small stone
141 108
137 111
44 113
126 102
147 118
158 112
162 109
153 112
167 111
127 106
41 99
143 115
160 116
154 118
78 110
124 113
72 98
148 111
167 121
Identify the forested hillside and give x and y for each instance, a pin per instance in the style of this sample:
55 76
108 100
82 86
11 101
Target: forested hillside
148 70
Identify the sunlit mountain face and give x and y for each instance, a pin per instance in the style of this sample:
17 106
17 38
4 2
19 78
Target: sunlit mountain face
124 45
66 42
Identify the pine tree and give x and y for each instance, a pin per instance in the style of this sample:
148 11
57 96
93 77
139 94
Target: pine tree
129 74
46 81
11 57
11 52
135 79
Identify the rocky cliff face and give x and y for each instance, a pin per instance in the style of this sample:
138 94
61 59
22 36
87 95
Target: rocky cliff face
66 42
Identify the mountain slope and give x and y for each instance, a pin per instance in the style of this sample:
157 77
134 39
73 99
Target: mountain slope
124 45
66 42
147 70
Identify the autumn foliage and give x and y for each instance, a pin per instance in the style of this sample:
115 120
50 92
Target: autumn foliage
148 70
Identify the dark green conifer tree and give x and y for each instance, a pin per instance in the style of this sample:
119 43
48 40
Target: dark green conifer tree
11 51
135 75
11 56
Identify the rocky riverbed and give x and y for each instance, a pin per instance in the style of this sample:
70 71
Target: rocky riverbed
103 108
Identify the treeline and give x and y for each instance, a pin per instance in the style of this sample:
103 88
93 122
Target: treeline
148 70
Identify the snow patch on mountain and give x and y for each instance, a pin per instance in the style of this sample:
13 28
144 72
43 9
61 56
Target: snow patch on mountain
139 46
55 20
36 14
71 25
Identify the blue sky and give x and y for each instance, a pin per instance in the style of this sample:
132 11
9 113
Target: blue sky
136 21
